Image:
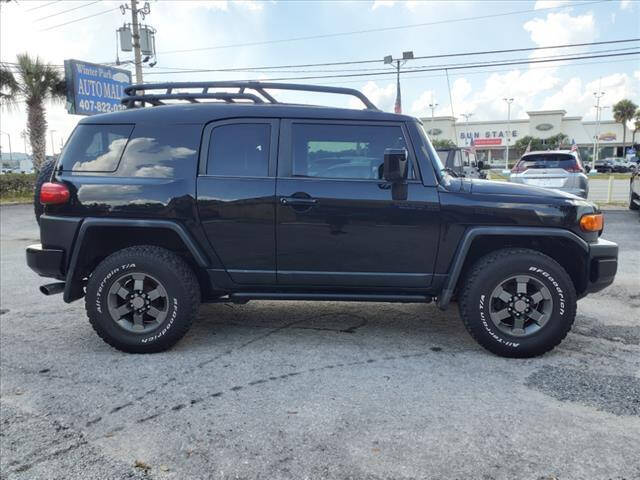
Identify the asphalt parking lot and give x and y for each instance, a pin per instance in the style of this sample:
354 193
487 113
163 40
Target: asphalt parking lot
280 390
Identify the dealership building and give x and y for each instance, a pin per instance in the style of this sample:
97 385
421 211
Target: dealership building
490 137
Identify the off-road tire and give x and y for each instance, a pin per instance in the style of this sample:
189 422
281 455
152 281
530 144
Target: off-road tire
171 271
488 272
44 175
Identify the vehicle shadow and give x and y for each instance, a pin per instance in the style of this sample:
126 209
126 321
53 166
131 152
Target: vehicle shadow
367 324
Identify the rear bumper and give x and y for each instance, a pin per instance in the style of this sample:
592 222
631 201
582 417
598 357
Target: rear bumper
603 265
46 262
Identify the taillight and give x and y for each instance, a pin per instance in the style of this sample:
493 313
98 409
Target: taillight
54 193
574 167
518 167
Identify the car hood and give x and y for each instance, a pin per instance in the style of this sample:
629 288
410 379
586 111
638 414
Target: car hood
492 187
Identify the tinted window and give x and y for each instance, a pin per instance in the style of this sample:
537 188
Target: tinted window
239 150
95 148
547 160
161 151
343 151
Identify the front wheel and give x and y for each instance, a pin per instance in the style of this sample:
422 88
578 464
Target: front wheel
142 299
517 303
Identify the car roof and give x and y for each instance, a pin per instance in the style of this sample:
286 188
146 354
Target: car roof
199 113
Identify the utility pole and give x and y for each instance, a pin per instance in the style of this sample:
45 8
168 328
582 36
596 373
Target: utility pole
432 106
10 151
506 160
466 116
136 40
598 95
389 60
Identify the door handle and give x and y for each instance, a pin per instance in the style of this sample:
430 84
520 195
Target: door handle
295 201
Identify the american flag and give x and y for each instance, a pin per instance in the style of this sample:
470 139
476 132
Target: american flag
574 147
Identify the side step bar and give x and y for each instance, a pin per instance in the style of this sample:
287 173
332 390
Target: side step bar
244 297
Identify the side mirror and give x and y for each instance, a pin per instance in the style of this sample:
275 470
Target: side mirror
395 165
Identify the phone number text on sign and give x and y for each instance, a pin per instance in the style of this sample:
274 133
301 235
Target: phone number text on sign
99 107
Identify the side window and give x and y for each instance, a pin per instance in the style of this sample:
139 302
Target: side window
239 150
457 159
343 151
95 148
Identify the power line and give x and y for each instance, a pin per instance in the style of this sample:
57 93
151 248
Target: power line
65 11
79 19
424 57
407 69
372 30
45 5
456 67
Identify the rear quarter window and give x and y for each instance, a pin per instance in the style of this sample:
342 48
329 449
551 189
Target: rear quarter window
95 148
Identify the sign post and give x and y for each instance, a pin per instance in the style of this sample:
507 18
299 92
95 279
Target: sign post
93 88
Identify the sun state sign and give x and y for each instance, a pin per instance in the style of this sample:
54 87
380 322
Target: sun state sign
93 89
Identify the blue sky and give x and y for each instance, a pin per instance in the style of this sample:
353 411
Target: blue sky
197 24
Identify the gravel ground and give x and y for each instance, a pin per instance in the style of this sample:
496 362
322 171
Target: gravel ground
282 390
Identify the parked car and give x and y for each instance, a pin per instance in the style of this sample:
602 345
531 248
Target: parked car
622 165
462 162
556 169
604 165
634 190
152 210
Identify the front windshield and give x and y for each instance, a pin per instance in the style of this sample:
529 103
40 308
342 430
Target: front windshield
430 152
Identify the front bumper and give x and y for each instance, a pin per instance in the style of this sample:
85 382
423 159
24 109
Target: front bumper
46 262
602 266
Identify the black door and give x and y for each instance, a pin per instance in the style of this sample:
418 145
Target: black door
236 196
337 224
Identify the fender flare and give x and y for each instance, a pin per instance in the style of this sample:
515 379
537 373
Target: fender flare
475 232
73 290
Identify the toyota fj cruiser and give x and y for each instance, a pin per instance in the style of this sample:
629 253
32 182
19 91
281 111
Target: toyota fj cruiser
231 196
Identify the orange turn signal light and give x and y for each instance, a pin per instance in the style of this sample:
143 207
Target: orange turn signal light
592 222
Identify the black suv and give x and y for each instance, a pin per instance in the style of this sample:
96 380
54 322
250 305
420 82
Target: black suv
230 196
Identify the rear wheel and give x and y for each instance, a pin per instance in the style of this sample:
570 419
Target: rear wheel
142 299
517 303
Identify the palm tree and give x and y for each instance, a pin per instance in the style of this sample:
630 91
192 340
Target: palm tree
623 111
33 82
636 126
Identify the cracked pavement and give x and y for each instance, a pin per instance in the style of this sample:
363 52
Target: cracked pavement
326 390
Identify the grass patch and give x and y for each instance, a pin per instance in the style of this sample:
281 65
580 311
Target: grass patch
16 199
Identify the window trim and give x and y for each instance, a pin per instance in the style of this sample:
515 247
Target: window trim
59 162
203 158
285 152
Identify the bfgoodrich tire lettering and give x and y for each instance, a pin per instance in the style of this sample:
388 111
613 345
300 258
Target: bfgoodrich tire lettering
142 299
517 303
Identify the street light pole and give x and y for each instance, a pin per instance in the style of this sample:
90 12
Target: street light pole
598 95
389 60
506 160
10 151
432 106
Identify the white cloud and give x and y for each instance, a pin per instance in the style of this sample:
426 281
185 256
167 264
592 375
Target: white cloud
382 3
561 28
383 97
251 5
209 5
625 4
420 106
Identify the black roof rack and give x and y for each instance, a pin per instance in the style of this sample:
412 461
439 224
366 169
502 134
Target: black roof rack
156 94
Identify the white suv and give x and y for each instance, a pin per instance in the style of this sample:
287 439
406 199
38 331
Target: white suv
554 169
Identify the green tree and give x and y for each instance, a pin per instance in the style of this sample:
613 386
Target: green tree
636 126
623 111
523 143
442 143
33 82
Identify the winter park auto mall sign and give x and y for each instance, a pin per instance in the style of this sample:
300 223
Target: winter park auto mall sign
93 89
